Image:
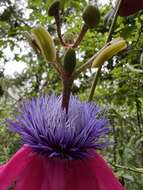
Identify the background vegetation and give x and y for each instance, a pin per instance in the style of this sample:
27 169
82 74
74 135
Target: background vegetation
120 90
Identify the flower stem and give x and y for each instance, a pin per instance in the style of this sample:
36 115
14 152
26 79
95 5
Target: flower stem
58 24
80 36
96 78
67 85
94 84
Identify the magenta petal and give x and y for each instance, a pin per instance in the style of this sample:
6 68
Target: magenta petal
42 174
54 178
10 171
79 176
31 178
105 178
1 169
31 171
93 174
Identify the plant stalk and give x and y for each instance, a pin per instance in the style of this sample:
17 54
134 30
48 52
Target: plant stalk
97 76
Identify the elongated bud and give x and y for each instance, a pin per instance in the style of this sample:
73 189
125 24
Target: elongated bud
91 16
44 43
69 61
31 42
106 53
54 8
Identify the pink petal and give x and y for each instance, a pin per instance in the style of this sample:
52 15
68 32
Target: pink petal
93 174
105 178
42 174
54 178
39 173
31 178
79 176
12 169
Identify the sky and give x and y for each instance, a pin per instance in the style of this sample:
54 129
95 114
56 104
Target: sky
13 66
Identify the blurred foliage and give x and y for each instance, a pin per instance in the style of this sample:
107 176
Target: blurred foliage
120 90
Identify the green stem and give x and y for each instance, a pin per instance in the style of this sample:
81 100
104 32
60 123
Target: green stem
94 85
96 78
111 30
57 19
137 170
81 35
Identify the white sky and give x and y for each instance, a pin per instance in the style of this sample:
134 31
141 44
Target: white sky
13 66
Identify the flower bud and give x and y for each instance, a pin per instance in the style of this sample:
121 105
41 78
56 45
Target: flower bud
31 42
54 8
69 61
108 51
91 16
45 43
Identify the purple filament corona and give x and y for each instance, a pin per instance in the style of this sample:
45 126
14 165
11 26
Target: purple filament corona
47 129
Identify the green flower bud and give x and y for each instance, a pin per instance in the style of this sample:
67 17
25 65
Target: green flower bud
54 8
31 42
91 16
44 43
108 51
69 61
